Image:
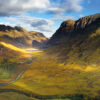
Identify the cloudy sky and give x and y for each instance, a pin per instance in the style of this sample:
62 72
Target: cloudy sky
44 15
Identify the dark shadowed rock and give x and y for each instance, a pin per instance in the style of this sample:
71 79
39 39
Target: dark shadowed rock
18 28
5 28
36 43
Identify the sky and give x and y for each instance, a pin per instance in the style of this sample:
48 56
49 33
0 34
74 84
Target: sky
44 15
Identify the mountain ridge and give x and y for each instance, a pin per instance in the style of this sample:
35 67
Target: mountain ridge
19 36
71 28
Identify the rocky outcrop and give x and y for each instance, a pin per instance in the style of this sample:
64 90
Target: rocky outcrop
5 28
40 44
86 21
67 25
20 29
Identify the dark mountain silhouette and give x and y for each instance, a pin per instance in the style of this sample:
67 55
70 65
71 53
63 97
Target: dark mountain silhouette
70 29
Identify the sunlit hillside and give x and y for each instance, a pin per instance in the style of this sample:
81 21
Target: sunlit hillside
12 47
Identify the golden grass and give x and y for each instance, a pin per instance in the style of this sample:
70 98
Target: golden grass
25 52
48 77
10 46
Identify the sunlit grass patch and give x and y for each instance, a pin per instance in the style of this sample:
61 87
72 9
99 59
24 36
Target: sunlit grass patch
24 52
10 46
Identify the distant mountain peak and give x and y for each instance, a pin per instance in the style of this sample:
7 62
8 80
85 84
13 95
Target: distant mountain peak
68 22
21 37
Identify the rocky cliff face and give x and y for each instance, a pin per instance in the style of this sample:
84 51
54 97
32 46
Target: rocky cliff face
71 28
19 36
84 22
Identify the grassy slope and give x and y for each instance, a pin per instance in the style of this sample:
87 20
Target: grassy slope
13 60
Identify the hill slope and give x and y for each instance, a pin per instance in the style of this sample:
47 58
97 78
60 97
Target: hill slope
19 36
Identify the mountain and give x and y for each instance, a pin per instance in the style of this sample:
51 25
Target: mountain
19 36
71 29
78 40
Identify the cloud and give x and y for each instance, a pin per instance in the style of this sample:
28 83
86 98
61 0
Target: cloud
34 24
73 5
56 10
62 18
13 7
65 6
42 24
39 23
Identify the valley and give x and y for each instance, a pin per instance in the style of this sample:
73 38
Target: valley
64 67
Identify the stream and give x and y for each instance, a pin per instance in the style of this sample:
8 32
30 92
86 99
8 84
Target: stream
18 77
